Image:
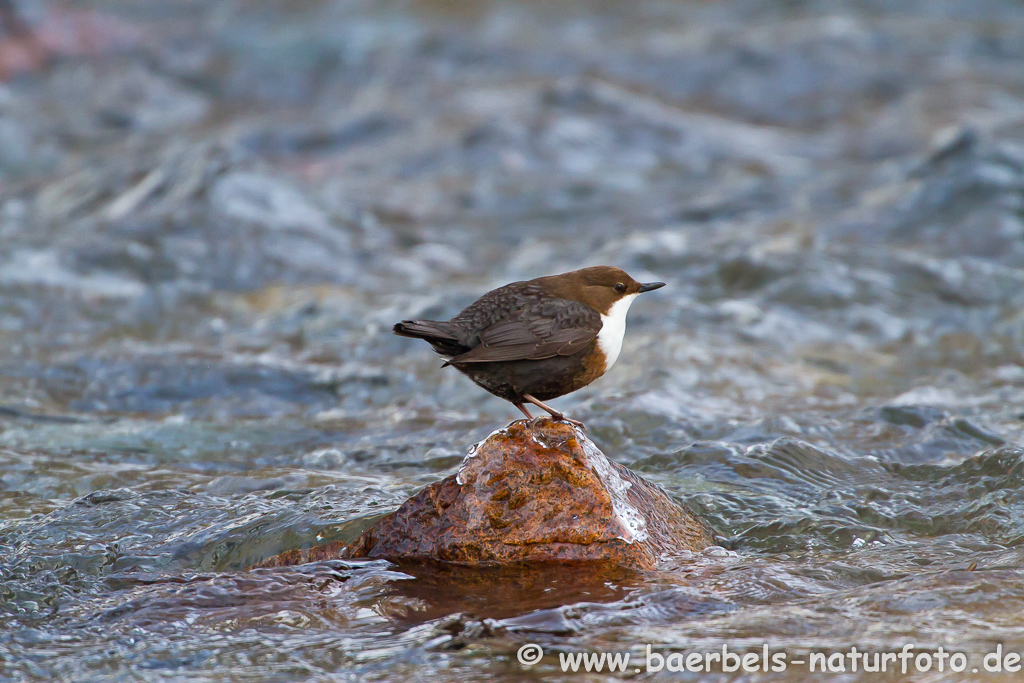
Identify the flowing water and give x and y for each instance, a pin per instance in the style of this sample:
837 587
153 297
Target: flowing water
212 212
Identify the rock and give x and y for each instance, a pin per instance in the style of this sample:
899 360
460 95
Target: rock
529 495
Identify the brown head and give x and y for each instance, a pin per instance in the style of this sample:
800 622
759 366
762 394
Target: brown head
600 287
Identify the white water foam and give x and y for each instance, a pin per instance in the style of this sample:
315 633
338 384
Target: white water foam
633 523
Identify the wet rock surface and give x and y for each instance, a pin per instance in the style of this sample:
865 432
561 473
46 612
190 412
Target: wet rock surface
530 494
211 213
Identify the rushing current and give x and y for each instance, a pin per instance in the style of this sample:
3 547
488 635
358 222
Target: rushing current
211 213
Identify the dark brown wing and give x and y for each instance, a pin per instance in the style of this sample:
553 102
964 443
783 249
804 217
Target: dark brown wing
556 327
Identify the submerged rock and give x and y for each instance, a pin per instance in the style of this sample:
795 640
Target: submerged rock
529 495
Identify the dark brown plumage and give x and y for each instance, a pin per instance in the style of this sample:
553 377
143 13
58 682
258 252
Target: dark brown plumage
539 339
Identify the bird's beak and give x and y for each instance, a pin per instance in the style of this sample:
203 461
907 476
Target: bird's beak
651 286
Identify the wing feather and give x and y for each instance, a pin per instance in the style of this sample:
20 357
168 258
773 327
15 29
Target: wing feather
562 331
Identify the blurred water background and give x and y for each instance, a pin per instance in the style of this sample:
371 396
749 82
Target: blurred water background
212 212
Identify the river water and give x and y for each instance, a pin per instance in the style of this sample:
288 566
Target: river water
212 212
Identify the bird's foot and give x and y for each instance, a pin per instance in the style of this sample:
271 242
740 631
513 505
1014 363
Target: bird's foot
534 422
557 418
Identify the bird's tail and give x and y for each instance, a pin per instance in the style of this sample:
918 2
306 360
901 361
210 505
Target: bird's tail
437 334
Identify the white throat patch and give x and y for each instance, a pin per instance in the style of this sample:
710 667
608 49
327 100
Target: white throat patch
613 328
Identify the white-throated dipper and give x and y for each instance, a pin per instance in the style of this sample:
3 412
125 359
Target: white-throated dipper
536 340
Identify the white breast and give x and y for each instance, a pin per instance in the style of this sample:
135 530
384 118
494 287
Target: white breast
613 328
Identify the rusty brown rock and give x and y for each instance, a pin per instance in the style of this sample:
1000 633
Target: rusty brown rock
526 494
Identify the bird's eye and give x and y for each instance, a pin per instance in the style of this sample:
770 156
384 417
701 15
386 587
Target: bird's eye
620 287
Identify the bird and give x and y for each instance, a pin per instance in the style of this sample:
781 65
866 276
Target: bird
535 340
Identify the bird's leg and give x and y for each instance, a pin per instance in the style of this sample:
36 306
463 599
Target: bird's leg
525 411
531 421
554 413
